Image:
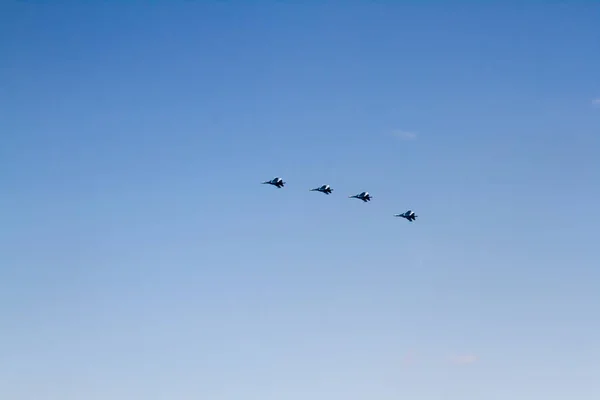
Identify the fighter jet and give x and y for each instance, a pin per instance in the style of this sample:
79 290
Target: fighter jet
364 196
409 215
323 189
275 182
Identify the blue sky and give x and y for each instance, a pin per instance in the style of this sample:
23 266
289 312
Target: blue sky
140 258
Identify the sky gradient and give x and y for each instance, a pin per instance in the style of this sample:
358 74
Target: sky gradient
140 258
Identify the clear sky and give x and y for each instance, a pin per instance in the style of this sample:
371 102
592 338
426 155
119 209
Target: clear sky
141 258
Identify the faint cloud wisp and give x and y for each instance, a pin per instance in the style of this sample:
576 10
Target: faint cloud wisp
596 102
465 359
404 135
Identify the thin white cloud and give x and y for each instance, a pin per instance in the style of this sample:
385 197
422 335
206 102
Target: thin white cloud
465 359
596 102
404 135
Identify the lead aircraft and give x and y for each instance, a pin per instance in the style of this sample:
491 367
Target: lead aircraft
278 182
323 189
409 215
364 196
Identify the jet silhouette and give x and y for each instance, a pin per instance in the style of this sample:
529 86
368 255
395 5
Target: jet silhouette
278 182
323 189
364 196
409 215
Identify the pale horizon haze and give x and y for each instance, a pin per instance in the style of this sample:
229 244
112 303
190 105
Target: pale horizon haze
142 258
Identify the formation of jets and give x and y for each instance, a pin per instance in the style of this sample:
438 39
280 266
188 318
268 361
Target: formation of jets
364 196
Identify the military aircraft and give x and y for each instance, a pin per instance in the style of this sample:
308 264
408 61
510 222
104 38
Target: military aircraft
323 189
275 182
409 215
364 196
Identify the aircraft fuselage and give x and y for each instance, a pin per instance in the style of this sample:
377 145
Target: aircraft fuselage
323 189
364 196
277 182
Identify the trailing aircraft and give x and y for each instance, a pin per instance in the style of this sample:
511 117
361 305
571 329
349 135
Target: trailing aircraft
323 189
275 182
409 215
364 196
